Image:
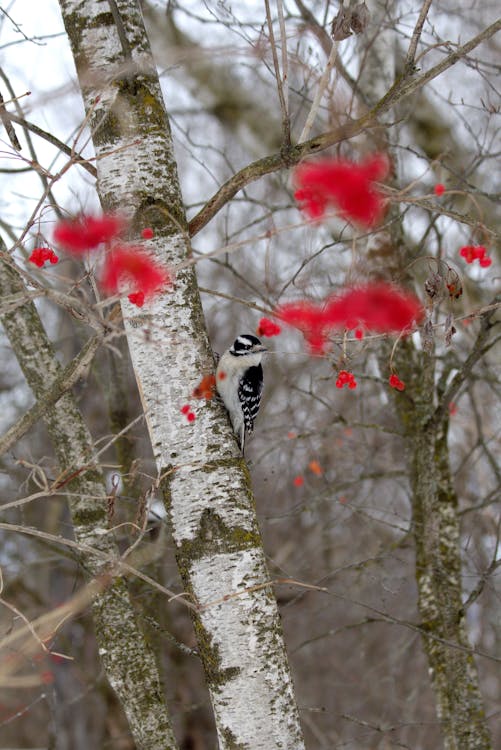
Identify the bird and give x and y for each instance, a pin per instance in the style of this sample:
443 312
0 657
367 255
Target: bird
239 383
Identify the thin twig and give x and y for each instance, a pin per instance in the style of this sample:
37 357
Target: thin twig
77 157
494 565
122 35
319 93
285 59
118 567
480 348
71 374
401 89
325 41
259 586
42 174
4 116
231 298
416 35
280 87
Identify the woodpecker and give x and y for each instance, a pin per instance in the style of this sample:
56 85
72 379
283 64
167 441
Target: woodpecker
239 382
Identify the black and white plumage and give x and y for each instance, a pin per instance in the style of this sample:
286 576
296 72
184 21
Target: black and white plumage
239 382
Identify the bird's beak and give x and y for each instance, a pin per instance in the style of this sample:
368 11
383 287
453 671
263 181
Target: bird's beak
259 348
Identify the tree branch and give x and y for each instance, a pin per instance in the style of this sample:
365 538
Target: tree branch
282 97
479 349
71 374
401 89
78 158
416 35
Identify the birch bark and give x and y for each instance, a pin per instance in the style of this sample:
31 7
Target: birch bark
435 519
206 485
128 661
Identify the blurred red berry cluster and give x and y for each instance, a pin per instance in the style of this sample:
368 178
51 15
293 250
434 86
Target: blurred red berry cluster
377 307
206 388
268 328
125 265
347 186
396 383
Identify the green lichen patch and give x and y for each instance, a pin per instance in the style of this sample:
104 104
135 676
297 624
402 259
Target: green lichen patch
230 741
215 537
217 676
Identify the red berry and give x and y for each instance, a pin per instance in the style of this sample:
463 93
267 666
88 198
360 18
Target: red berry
396 383
136 298
268 328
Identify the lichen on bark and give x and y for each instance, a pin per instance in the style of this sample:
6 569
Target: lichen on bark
436 531
210 503
128 661
435 520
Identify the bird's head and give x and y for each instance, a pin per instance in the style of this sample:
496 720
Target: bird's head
246 345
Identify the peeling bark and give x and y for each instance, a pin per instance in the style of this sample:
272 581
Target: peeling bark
205 483
128 661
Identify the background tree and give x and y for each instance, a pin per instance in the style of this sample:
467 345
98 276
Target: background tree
385 498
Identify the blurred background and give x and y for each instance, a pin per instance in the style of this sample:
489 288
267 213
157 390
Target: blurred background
356 653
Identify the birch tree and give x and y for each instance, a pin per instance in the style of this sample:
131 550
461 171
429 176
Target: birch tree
203 479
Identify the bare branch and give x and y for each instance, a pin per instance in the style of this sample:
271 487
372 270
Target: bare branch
4 116
76 369
399 91
416 35
319 93
50 138
280 81
480 347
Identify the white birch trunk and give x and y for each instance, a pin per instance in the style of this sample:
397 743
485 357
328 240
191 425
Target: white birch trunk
211 506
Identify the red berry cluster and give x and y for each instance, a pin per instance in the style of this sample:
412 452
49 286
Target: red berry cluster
396 383
124 265
88 232
476 252
439 189
376 306
136 298
349 187
189 414
42 254
346 378
268 328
